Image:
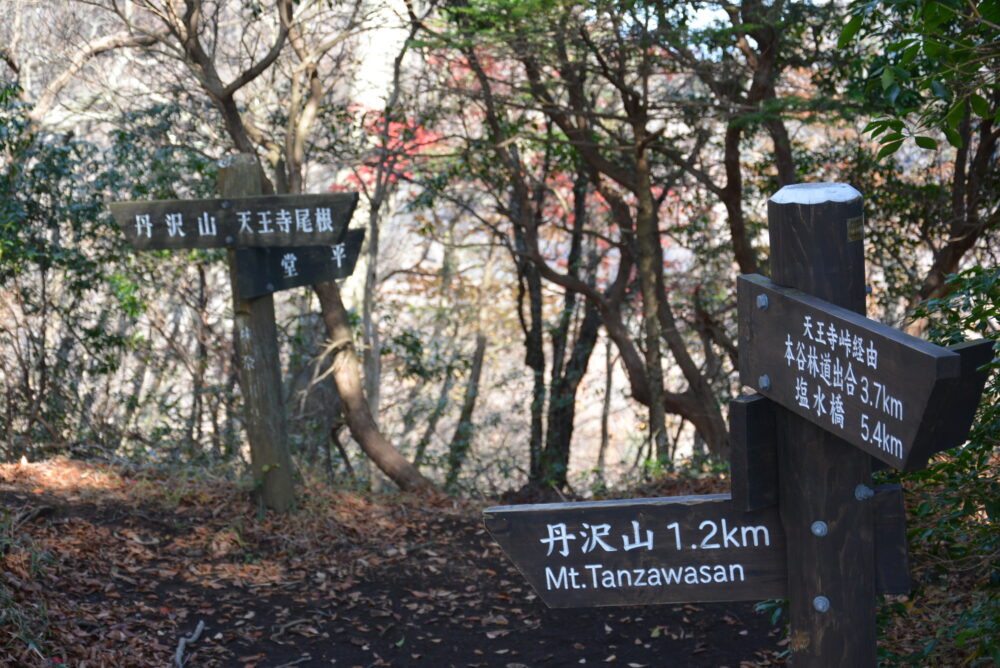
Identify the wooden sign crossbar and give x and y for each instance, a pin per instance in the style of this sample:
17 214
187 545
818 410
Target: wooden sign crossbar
258 221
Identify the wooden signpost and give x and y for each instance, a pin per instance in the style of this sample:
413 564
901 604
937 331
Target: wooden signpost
803 520
270 240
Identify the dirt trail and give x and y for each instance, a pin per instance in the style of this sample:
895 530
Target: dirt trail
105 568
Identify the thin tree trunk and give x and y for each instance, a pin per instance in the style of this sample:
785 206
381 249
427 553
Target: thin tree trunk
605 409
200 366
567 373
462 439
435 416
562 402
650 281
534 355
346 370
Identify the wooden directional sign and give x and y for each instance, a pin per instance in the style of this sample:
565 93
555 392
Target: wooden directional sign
260 221
261 271
875 387
664 550
667 550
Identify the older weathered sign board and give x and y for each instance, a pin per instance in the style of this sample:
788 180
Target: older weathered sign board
275 242
257 221
261 271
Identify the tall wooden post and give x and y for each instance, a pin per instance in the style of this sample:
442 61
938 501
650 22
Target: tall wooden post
825 500
259 365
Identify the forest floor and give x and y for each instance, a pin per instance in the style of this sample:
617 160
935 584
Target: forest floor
107 566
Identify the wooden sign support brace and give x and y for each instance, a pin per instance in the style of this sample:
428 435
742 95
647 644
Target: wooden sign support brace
259 365
825 498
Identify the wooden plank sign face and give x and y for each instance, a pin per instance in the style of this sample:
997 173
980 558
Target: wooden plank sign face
869 384
643 551
262 271
262 221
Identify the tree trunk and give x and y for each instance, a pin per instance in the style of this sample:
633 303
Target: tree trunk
650 281
460 442
346 370
567 373
609 369
534 355
562 402
436 413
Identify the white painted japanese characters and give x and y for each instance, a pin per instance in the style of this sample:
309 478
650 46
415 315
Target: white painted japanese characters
836 363
869 384
643 550
262 221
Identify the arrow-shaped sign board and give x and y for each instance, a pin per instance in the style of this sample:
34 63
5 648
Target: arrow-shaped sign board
262 221
641 551
261 271
884 391
681 549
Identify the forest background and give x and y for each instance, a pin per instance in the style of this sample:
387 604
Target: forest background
558 197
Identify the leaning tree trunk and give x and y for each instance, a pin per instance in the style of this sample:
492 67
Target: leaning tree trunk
346 371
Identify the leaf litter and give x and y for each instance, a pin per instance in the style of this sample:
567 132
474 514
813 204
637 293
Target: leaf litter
131 567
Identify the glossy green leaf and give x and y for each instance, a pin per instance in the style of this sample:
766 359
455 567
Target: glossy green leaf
955 114
934 48
888 78
980 106
954 138
849 31
909 55
926 142
889 149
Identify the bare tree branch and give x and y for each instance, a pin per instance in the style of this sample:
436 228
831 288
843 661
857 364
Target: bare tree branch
77 62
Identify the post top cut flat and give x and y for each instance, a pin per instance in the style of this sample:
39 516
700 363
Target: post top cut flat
815 193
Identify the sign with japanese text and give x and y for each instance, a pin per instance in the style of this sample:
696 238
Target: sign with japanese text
261 271
873 386
261 221
682 549
641 551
